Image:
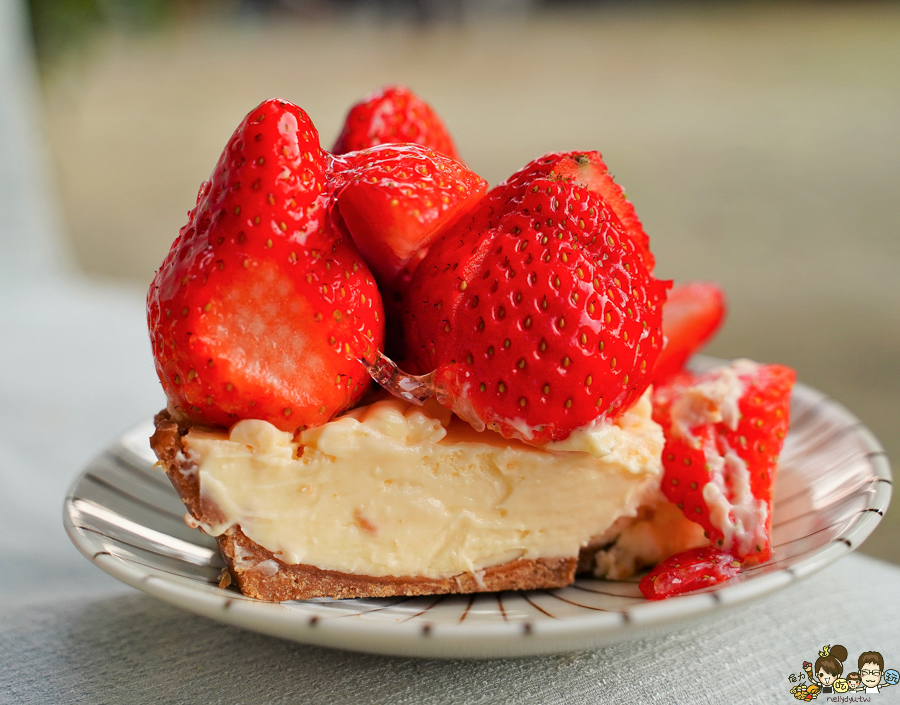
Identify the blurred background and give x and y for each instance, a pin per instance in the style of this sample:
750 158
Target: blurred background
759 141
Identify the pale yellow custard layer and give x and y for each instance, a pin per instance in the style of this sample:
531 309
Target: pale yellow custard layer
394 489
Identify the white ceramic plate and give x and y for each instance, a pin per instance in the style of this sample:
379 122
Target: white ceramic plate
833 487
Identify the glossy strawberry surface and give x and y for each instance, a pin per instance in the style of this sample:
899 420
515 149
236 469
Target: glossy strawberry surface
536 312
394 114
394 200
585 169
720 456
262 306
688 571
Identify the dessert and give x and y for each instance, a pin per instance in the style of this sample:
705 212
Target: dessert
536 422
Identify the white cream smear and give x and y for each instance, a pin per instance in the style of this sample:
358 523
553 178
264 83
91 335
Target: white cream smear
392 489
741 518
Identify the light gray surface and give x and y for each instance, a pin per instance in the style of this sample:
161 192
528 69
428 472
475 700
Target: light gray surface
130 648
75 370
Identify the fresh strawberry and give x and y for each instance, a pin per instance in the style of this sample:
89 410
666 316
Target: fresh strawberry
724 430
585 169
393 115
394 199
688 571
692 313
261 308
538 323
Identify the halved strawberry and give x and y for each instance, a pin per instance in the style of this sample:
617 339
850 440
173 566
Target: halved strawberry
535 315
692 314
394 200
261 308
394 114
688 571
724 430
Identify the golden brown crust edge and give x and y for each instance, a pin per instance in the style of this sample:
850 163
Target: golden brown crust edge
261 575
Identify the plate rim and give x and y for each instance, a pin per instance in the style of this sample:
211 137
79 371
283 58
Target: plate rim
502 639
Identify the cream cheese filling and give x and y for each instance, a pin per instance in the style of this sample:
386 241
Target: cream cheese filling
391 489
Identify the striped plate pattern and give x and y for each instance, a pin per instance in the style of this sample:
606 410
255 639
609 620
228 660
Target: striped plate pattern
833 487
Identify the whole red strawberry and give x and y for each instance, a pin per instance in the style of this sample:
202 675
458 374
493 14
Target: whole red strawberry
537 315
394 114
724 430
261 308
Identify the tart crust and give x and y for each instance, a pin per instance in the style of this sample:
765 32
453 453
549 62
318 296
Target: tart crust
259 574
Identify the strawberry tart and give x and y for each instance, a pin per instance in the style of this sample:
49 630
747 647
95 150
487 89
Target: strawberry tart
532 416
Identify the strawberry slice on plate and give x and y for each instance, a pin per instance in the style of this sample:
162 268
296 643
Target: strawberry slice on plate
394 114
262 307
692 313
724 430
688 571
